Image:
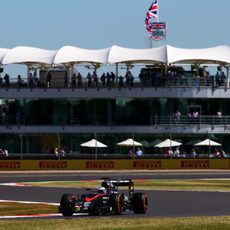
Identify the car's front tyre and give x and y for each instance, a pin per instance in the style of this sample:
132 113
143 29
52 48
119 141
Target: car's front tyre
67 204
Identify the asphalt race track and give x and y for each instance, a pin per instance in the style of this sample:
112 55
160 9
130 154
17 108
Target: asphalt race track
161 203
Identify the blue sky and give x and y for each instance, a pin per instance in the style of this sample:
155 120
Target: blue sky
93 24
51 24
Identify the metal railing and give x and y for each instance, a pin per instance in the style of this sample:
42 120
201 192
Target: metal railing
162 81
60 120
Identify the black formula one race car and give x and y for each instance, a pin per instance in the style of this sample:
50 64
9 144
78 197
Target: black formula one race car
105 200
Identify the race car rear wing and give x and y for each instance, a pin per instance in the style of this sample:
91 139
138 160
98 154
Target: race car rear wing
120 182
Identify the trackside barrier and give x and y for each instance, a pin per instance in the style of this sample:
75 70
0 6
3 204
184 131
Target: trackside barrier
136 164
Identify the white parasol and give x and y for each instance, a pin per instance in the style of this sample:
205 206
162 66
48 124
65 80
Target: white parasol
93 144
129 142
168 143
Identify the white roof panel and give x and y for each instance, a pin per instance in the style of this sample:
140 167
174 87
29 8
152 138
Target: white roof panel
25 54
71 54
218 54
122 55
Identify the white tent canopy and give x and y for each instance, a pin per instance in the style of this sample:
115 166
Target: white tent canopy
115 54
122 55
129 142
207 142
93 144
71 54
25 54
219 54
168 143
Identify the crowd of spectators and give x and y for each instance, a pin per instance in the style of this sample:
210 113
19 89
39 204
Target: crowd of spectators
148 77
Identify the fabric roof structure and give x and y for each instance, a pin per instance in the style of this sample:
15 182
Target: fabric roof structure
26 54
123 55
3 53
216 55
115 55
71 54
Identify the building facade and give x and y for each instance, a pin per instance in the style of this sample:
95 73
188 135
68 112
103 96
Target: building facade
159 102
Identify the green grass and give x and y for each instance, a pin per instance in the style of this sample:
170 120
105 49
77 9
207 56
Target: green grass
109 223
194 185
11 208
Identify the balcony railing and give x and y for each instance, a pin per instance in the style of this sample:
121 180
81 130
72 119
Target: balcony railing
162 81
171 121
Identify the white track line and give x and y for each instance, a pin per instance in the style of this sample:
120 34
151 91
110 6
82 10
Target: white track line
34 215
28 202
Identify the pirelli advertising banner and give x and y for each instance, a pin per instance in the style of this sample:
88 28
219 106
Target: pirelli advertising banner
135 164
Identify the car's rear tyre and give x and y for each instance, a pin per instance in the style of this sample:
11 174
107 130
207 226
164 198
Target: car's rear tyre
116 203
94 209
67 204
140 203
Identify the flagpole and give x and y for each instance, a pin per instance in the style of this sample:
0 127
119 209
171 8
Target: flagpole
158 11
158 16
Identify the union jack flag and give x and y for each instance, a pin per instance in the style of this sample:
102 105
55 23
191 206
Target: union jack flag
152 12
158 25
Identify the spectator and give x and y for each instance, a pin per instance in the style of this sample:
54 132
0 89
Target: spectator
177 152
19 81
177 117
95 79
66 79
89 78
112 77
7 80
62 152
196 80
56 152
120 81
131 154
193 153
139 152
103 79
169 153
73 80
79 80
218 114
31 80
217 153
4 153
48 79
108 79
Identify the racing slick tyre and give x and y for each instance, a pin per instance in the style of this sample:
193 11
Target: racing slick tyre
116 203
94 209
140 203
67 205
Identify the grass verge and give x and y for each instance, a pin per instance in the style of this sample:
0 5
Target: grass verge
11 208
163 184
110 223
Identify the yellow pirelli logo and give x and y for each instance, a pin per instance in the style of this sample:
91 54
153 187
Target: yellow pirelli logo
147 164
53 165
195 164
99 164
10 165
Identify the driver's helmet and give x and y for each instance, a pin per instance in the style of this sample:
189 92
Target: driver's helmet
107 184
102 190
